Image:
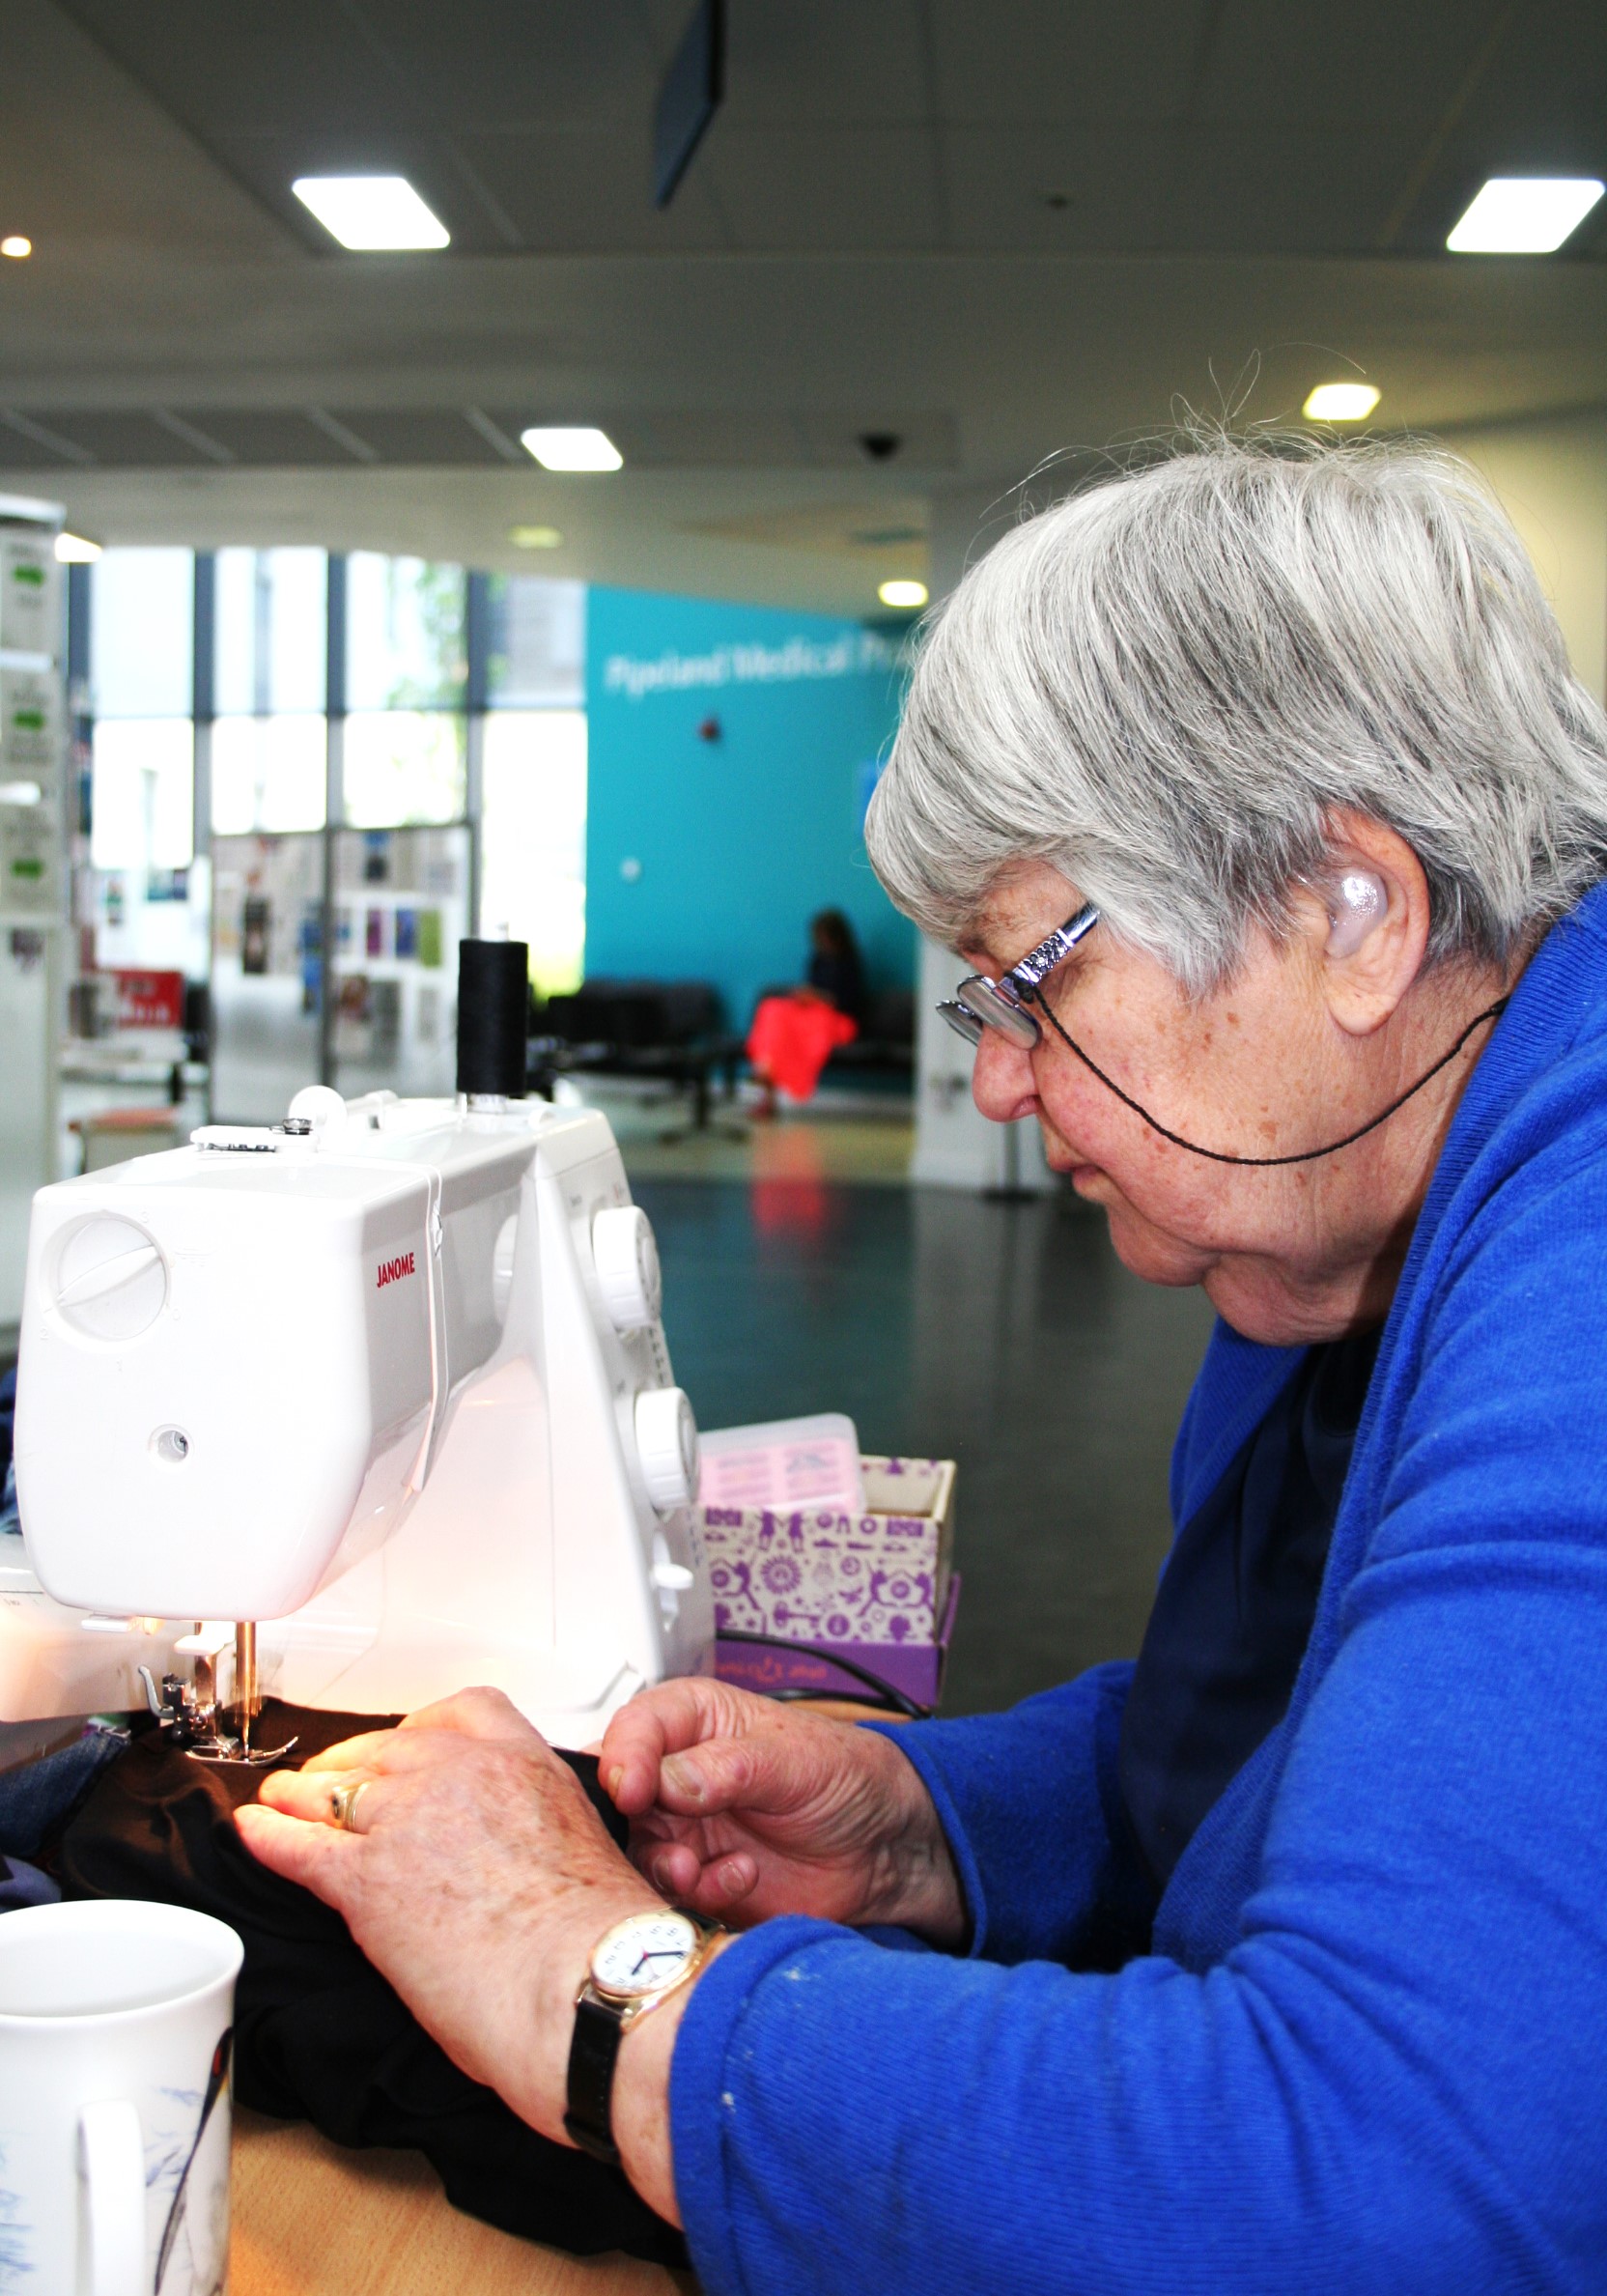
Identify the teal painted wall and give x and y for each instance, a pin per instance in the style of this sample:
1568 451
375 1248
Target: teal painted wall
738 840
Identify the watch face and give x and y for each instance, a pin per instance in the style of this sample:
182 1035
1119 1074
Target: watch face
643 1952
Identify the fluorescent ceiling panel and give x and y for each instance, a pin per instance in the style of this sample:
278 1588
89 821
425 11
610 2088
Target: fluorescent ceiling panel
365 213
572 450
1524 214
1340 402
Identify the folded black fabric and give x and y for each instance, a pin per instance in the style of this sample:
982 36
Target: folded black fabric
318 2035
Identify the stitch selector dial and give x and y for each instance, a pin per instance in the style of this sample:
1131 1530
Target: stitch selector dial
667 1444
627 1260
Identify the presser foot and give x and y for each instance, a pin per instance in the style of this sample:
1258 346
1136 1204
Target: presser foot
194 1726
224 1748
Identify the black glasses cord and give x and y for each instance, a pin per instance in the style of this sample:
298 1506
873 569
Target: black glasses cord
1306 1155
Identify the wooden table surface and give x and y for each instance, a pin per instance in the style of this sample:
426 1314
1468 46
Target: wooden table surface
312 2220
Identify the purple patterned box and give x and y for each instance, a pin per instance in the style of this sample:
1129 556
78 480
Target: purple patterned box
875 1585
916 1668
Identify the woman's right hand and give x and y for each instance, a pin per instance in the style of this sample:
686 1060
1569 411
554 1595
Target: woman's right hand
742 1808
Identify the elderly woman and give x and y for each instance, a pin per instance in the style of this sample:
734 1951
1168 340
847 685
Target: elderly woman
1257 793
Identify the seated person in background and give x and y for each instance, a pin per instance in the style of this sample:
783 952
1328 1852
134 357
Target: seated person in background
794 1036
1258 797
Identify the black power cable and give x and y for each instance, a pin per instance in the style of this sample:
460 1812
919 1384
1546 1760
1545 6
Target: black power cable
888 1692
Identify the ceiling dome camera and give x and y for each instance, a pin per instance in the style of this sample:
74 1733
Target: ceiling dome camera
881 445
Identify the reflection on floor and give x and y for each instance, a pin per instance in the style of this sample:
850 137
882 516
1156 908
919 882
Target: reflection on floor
869 1143
1005 1335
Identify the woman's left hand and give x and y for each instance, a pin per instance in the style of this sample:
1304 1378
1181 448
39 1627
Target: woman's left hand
478 1879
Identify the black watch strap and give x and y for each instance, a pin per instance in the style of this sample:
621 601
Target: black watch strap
599 2027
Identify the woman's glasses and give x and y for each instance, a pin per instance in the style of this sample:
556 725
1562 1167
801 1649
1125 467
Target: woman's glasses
979 1003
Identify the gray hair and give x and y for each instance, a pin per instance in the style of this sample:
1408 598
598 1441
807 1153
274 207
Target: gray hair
1164 685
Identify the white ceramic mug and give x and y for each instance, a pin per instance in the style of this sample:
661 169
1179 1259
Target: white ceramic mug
115 2028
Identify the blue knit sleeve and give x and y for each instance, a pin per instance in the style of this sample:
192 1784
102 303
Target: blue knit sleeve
1031 1808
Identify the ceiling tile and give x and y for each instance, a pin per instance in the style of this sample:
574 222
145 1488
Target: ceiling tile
1280 191
586 189
93 161
268 437
1066 189
126 439
20 452
1279 66
839 62
290 66
423 436
1049 59
566 63
826 188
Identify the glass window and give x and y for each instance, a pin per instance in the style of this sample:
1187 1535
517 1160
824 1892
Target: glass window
533 839
272 646
405 636
142 632
403 766
144 794
537 642
268 773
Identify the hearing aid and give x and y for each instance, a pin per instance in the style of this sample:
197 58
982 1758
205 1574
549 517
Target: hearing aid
1358 901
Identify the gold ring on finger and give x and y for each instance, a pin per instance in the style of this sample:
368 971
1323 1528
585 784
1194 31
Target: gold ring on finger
343 1803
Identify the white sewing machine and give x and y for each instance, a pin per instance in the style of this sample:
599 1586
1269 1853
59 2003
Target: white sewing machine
358 1409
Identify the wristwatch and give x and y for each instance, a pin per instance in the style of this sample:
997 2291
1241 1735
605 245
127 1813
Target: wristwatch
633 1967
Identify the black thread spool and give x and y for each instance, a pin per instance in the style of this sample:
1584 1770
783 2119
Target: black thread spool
494 1004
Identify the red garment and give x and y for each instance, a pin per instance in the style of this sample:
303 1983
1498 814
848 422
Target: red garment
793 1038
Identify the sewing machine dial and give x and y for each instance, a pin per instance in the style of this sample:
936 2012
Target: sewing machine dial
667 1444
627 1260
111 1279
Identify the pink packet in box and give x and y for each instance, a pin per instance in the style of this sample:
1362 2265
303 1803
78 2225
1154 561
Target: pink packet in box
784 1464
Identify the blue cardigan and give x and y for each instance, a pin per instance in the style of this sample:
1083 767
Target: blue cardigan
1368 2049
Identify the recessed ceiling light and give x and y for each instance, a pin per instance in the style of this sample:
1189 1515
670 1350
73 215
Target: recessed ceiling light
76 550
16 246
1340 402
371 212
534 537
1524 214
574 449
902 593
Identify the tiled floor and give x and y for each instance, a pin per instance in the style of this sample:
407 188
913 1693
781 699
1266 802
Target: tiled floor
1005 1335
